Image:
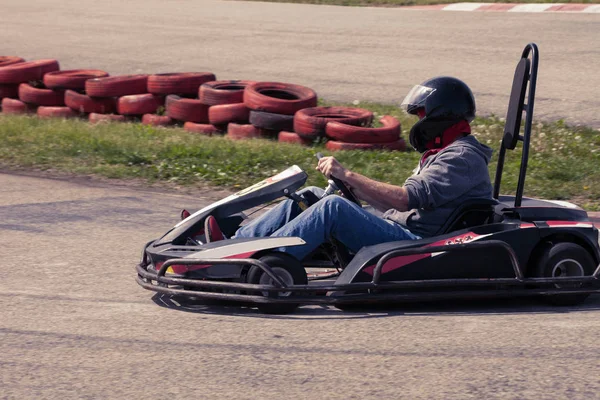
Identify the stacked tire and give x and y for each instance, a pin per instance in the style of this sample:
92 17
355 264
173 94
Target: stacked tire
272 108
343 136
104 96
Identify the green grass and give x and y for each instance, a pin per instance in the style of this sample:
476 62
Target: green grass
399 3
563 164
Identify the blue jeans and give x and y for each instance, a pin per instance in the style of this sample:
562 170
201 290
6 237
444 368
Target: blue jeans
331 217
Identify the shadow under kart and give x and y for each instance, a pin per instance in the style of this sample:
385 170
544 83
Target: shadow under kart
511 246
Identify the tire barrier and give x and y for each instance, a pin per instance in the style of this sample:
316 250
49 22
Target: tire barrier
272 121
311 122
333 145
223 92
156 120
279 98
180 83
139 104
241 132
11 91
86 104
14 106
117 86
73 79
204 129
188 110
98 118
56 112
9 60
27 71
292 137
390 132
41 97
223 114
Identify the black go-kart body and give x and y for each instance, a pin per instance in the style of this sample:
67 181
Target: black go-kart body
511 246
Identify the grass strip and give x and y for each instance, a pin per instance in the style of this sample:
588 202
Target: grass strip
563 160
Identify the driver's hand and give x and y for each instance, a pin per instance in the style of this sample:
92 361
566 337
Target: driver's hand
330 166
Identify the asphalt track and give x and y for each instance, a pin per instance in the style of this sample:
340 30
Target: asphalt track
74 324
344 53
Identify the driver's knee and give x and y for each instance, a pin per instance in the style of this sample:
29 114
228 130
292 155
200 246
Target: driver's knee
334 205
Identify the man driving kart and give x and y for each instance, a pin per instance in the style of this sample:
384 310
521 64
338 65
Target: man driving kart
453 169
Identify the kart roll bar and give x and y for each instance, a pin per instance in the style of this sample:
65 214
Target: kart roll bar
525 76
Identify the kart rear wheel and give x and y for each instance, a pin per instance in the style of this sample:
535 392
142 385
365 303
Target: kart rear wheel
565 259
288 269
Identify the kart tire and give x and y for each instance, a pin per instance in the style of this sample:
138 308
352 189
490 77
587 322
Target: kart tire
279 98
181 83
203 129
116 86
95 118
188 110
311 122
10 60
292 137
242 132
41 97
11 91
286 267
272 121
56 112
565 259
156 120
139 104
223 114
398 145
27 71
223 92
86 104
14 106
390 132
73 79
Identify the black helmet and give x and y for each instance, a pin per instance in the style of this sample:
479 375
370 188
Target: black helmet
445 100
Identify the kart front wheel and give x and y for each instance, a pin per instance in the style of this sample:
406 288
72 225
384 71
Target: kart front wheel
285 267
561 260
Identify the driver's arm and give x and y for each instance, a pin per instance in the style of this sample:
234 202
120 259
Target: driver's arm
382 196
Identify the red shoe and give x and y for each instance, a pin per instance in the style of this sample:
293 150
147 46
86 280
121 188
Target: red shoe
212 232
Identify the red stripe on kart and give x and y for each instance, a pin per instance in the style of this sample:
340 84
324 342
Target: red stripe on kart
195 267
526 225
564 224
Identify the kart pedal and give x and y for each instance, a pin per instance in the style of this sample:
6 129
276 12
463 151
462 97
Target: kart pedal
212 231
184 214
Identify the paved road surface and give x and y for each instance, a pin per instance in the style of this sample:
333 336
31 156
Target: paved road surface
74 324
344 53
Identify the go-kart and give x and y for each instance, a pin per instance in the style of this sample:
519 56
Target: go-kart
508 246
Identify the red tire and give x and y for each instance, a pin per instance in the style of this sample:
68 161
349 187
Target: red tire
86 104
204 129
272 121
96 118
279 98
11 91
292 137
139 104
156 120
182 83
27 71
311 122
10 60
116 86
239 132
390 132
226 113
188 110
56 112
73 79
14 106
223 92
398 145
41 97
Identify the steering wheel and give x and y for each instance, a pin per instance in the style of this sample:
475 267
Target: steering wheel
342 186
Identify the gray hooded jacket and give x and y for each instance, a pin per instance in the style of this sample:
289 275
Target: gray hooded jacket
445 180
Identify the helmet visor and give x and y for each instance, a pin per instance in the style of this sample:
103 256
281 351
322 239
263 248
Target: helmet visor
415 99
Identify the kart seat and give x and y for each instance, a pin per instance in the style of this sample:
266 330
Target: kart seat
471 213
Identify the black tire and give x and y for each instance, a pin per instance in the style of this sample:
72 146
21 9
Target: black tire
565 259
272 121
286 267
